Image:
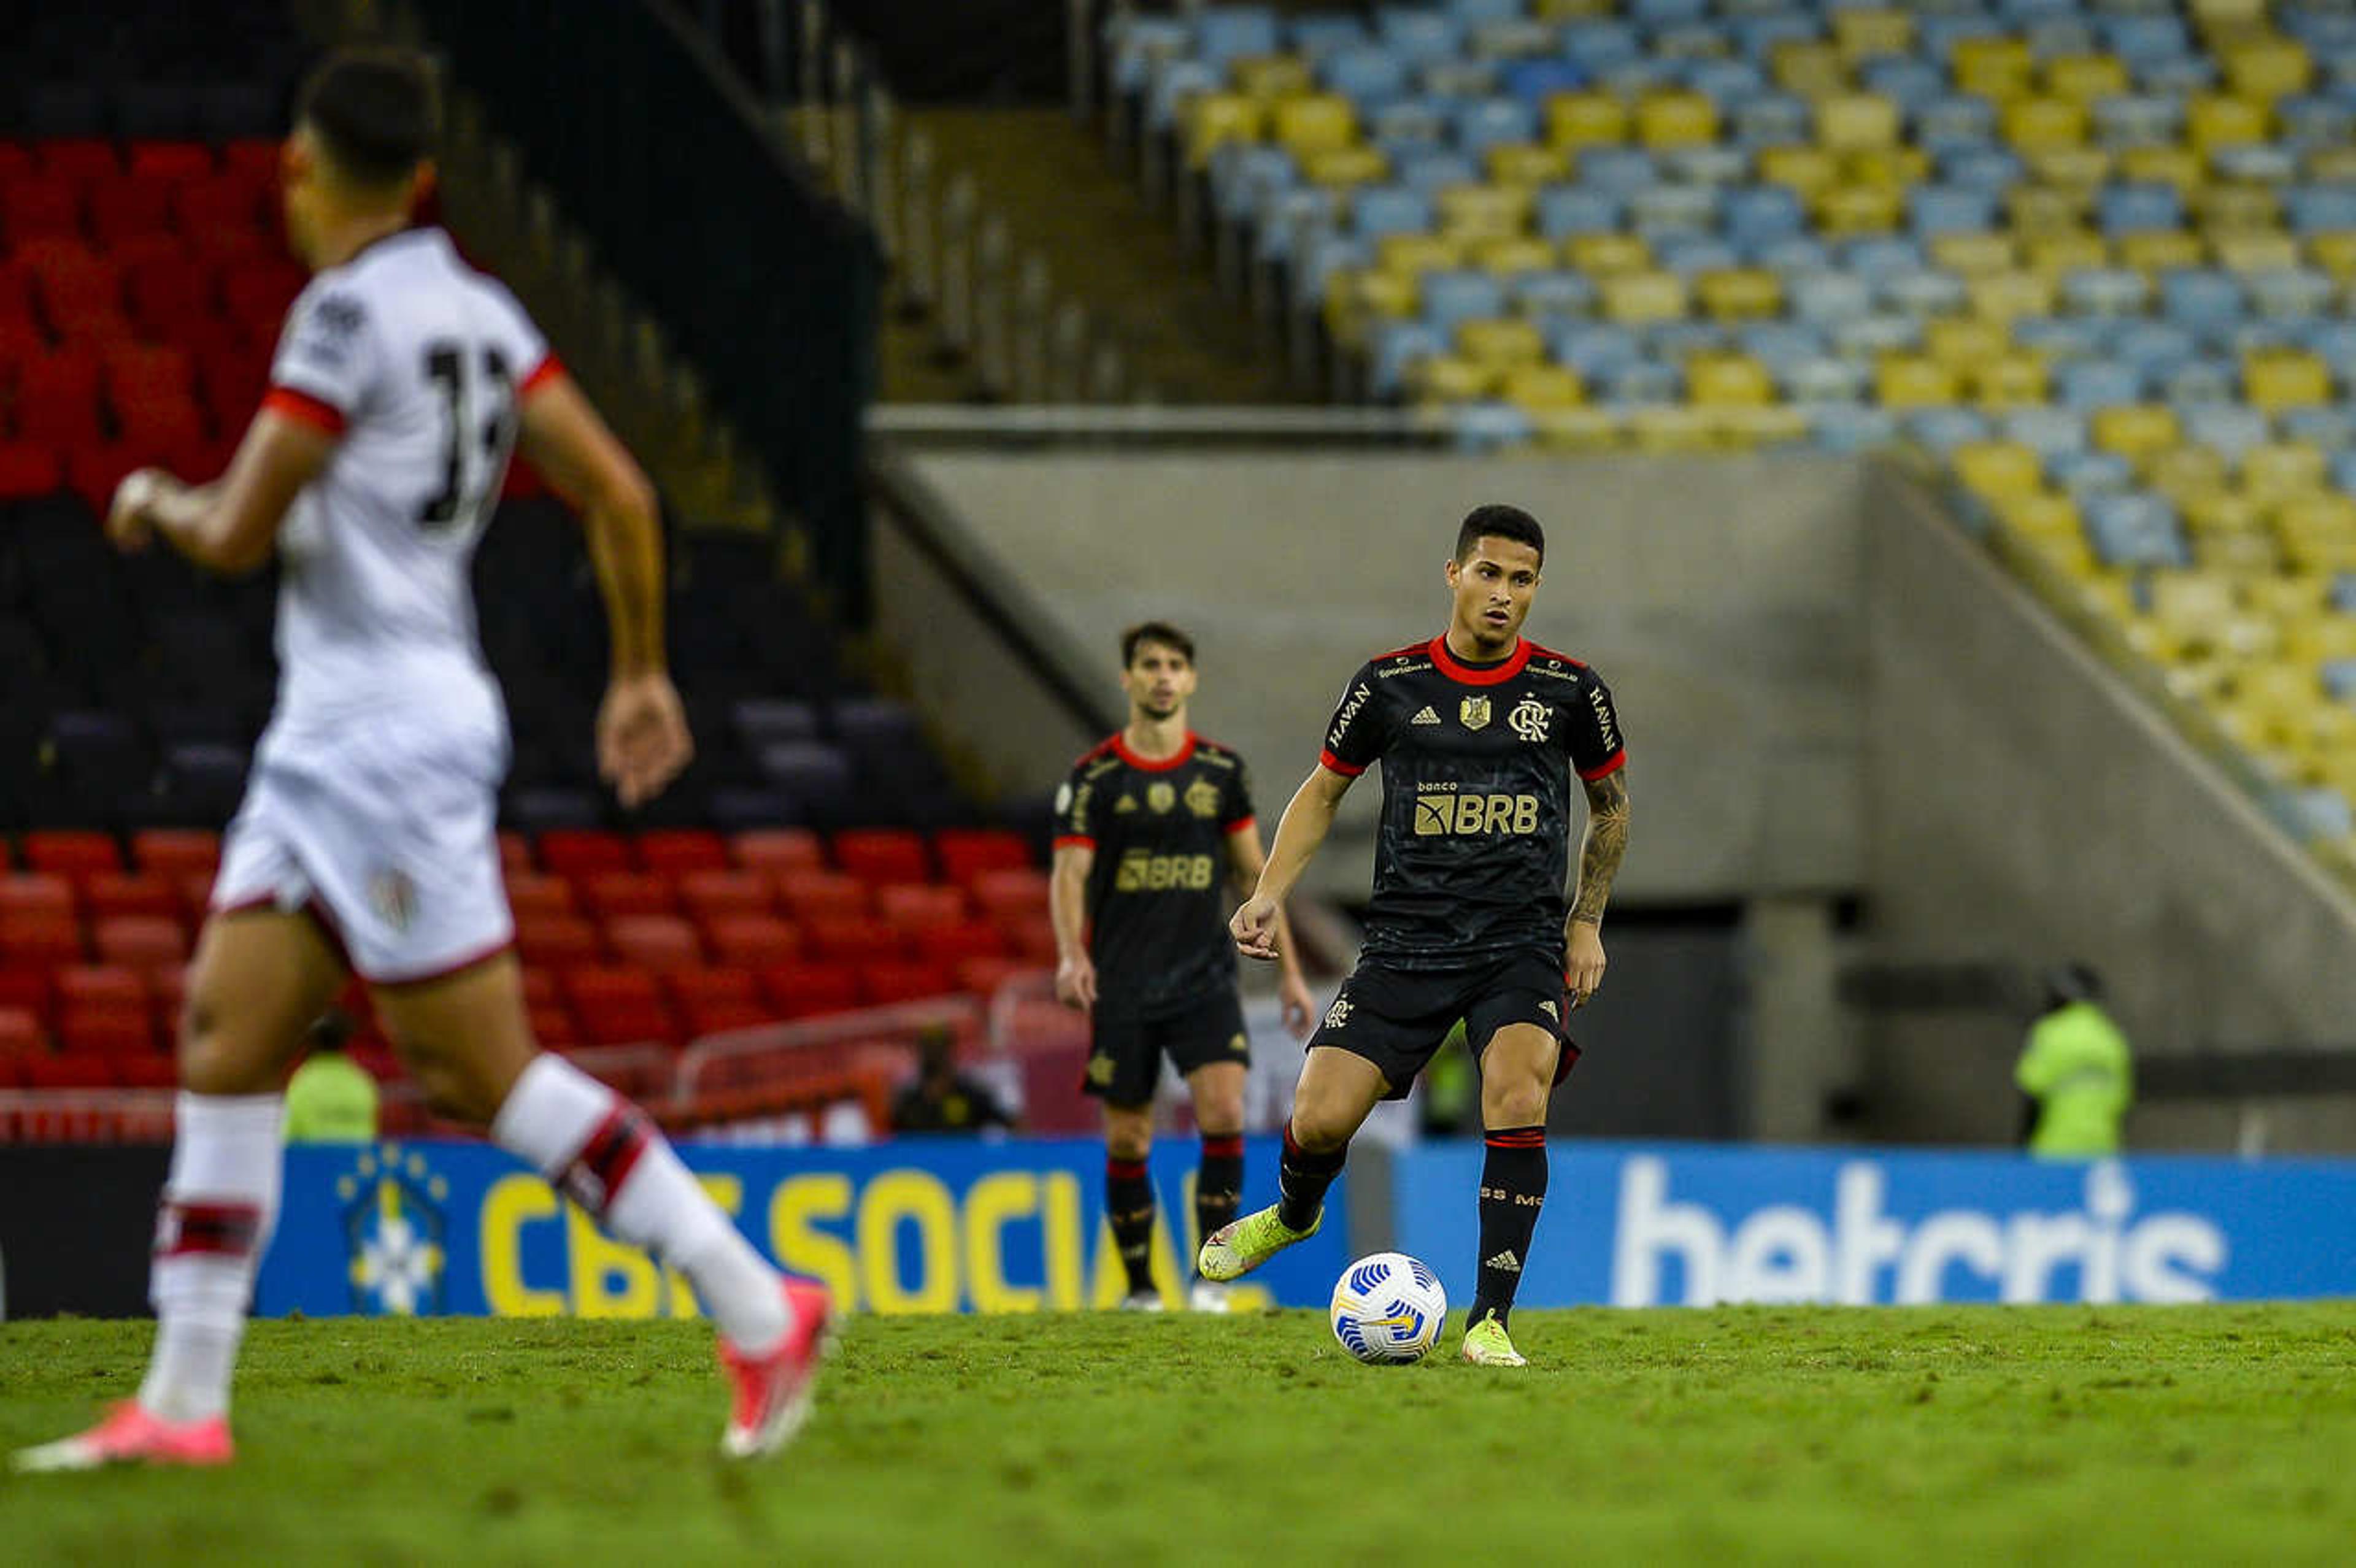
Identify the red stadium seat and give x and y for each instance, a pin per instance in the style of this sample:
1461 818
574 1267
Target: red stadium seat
654 941
103 987
176 851
921 906
579 852
984 976
883 855
35 940
105 1033
169 422
854 940
618 1006
159 1070
72 853
1010 894
171 160
715 895
29 469
515 852
113 893
56 398
823 895
558 941
674 852
231 381
256 159
141 941
754 941
81 296
168 990
881 984
226 200
84 160
612 894
138 204
196 893
712 1001
139 372
552 1027
16 160
25 988
36 895
804 990
37 206
966 852
1034 939
532 896
21 1033
540 986
260 291
780 849
70 1069
966 939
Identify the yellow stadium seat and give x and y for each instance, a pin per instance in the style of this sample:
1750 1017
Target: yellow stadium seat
1635 298
2007 296
2065 251
2009 381
1522 164
1898 166
2068 554
1850 209
2135 430
1740 294
1742 426
2335 253
1972 255
2320 637
2254 250
1856 122
2192 604
1608 255
1484 211
1676 120
2243 554
2214 119
1675 430
2329 517
2082 79
2178 166
2040 513
1577 120
1378 291
1913 381
1346 166
1452 379
2224 208
2158 250
1572 10
1315 122
1543 387
1268 77
2081 168
2267 67
1996 67
2280 470
1215 119
1504 343
1513 253
2290 596
2033 123
1805 170
2041 209
1865 34
1997 470
2276 379
1962 342
1727 380
1575 428
2184 470
2214 510
1417 254
1810 70
2329 164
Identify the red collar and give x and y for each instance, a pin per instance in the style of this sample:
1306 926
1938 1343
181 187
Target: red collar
1455 669
1153 764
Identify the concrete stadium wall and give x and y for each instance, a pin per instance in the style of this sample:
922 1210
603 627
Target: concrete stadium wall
2020 805
1718 599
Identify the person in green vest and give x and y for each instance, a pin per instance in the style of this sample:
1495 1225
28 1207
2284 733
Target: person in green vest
2075 1070
330 1098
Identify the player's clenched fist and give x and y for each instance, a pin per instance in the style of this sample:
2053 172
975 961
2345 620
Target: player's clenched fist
1076 982
128 522
1254 927
1582 962
642 739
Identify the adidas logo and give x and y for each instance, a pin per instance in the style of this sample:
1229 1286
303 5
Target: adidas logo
1505 1261
1426 717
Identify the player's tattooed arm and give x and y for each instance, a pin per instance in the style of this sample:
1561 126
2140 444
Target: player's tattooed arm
1606 844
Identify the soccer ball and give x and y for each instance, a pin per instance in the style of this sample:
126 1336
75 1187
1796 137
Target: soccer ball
1388 1309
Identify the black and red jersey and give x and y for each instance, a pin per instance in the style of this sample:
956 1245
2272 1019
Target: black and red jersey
1157 898
1478 760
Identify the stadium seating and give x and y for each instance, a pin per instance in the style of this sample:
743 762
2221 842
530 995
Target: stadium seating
2090 257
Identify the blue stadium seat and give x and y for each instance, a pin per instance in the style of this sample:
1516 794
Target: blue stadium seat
1472 13
1567 210
1243 172
1323 33
1905 81
2227 428
1757 214
2145 35
1728 83
1794 254
1557 292
1953 123
2173 76
1393 345
2138 120
1866 338
1780 345
2059 338
1380 210
2199 297
2332 429
1431 172
2312 208
1599 46
1825 381
2291 293
2197 383
1451 298
2048 431
1225 33
2081 475
1690 255
1922 292
1641 383
1664 209
2135 531
1676 341
2105 290
1846 427
1365 74
1418 33
2335 343
1944 430
1935 210
1623 169
1658 14
2314 119
1827 298
1493 120
1485 426
2153 347
1770 120
2088 385
1981 167
1877 256
1757 37
1402 127
1534 81
2318 811
1592 349
2138 208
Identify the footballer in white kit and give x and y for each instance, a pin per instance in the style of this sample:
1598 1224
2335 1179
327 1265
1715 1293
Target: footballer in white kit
373 794
367 839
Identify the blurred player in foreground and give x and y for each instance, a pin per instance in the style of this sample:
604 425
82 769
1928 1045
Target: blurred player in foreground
1149 827
1479 732
366 839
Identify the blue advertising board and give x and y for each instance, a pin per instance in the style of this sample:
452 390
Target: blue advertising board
1643 1225
914 1225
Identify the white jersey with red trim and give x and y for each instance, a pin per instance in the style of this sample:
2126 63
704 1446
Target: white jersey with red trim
415 362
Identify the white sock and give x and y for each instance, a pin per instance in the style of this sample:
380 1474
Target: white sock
583 1137
221 1202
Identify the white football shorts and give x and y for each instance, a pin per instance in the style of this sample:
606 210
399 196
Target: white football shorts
390 835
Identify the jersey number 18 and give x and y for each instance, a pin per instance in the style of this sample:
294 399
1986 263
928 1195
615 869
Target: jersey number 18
477 429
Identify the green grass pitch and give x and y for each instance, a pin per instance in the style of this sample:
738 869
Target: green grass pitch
1939 1435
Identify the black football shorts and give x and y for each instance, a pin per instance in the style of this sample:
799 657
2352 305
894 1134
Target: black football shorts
1125 1051
1398 1018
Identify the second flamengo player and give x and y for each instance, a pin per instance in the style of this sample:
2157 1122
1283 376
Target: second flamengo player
1151 826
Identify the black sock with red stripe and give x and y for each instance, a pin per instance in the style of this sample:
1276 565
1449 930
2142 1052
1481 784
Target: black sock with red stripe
1128 1206
1512 1189
1218 1182
1302 1180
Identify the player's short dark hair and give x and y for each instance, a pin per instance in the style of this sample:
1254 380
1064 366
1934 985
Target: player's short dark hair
376 110
1159 632
1497 522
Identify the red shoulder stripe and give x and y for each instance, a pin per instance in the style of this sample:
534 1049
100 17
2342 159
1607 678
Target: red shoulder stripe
1546 653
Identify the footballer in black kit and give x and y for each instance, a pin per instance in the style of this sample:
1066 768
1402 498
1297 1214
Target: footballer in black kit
1154 827
1482 737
